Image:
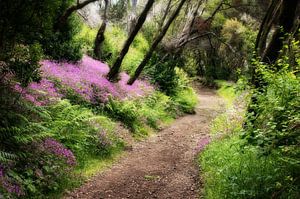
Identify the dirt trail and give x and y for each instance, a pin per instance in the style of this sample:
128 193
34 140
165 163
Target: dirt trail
162 166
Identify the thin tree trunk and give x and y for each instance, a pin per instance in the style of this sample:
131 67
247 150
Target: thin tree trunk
189 25
62 20
155 43
166 11
100 35
114 71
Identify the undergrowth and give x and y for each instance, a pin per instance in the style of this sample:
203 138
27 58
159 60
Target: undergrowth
233 169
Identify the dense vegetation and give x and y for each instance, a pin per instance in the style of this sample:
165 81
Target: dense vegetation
71 89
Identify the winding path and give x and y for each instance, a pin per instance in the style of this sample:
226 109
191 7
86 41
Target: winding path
162 166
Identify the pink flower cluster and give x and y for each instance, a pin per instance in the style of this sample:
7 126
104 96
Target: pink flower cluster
87 78
41 93
203 142
58 149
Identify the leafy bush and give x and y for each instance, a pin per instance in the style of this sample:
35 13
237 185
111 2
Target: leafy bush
80 130
62 44
87 37
163 74
274 123
233 169
24 63
186 100
28 165
127 112
230 172
140 114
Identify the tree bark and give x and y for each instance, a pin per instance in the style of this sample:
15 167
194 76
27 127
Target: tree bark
266 26
62 20
166 11
189 26
100 35
114 71
155 43
287 18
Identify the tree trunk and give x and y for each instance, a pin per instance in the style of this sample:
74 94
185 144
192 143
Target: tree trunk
166 11
155 43
100 35
266 26
189 25
62 20
287 18
114 71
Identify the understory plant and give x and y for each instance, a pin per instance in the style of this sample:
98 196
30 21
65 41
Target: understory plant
257 155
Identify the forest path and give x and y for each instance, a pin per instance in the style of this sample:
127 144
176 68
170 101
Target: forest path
162 166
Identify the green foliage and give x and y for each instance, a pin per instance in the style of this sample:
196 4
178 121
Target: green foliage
186 100
230 172
24 63
114 39
62 45
127 112
138 115
227 91
118 10
273 123
87 37
26 168
162 73
80 130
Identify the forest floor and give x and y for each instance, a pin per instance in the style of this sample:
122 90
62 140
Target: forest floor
162 166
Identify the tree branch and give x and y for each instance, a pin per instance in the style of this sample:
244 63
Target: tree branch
62 20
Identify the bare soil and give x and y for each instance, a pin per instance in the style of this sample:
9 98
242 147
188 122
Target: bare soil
162 166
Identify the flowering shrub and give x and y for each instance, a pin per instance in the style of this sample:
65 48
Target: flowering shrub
7 185
86 79
58 149
41 93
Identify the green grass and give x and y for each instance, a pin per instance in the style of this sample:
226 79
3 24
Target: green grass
95 165
230 172
232 169
226 91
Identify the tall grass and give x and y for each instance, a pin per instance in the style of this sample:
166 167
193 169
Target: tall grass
232 169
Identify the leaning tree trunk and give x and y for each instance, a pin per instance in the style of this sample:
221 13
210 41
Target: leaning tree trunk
155 43
287 19
132 16
114 71
62 20
100 35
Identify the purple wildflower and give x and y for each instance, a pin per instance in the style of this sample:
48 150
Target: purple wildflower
104 141
203 142
58 149
86 78
10 187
